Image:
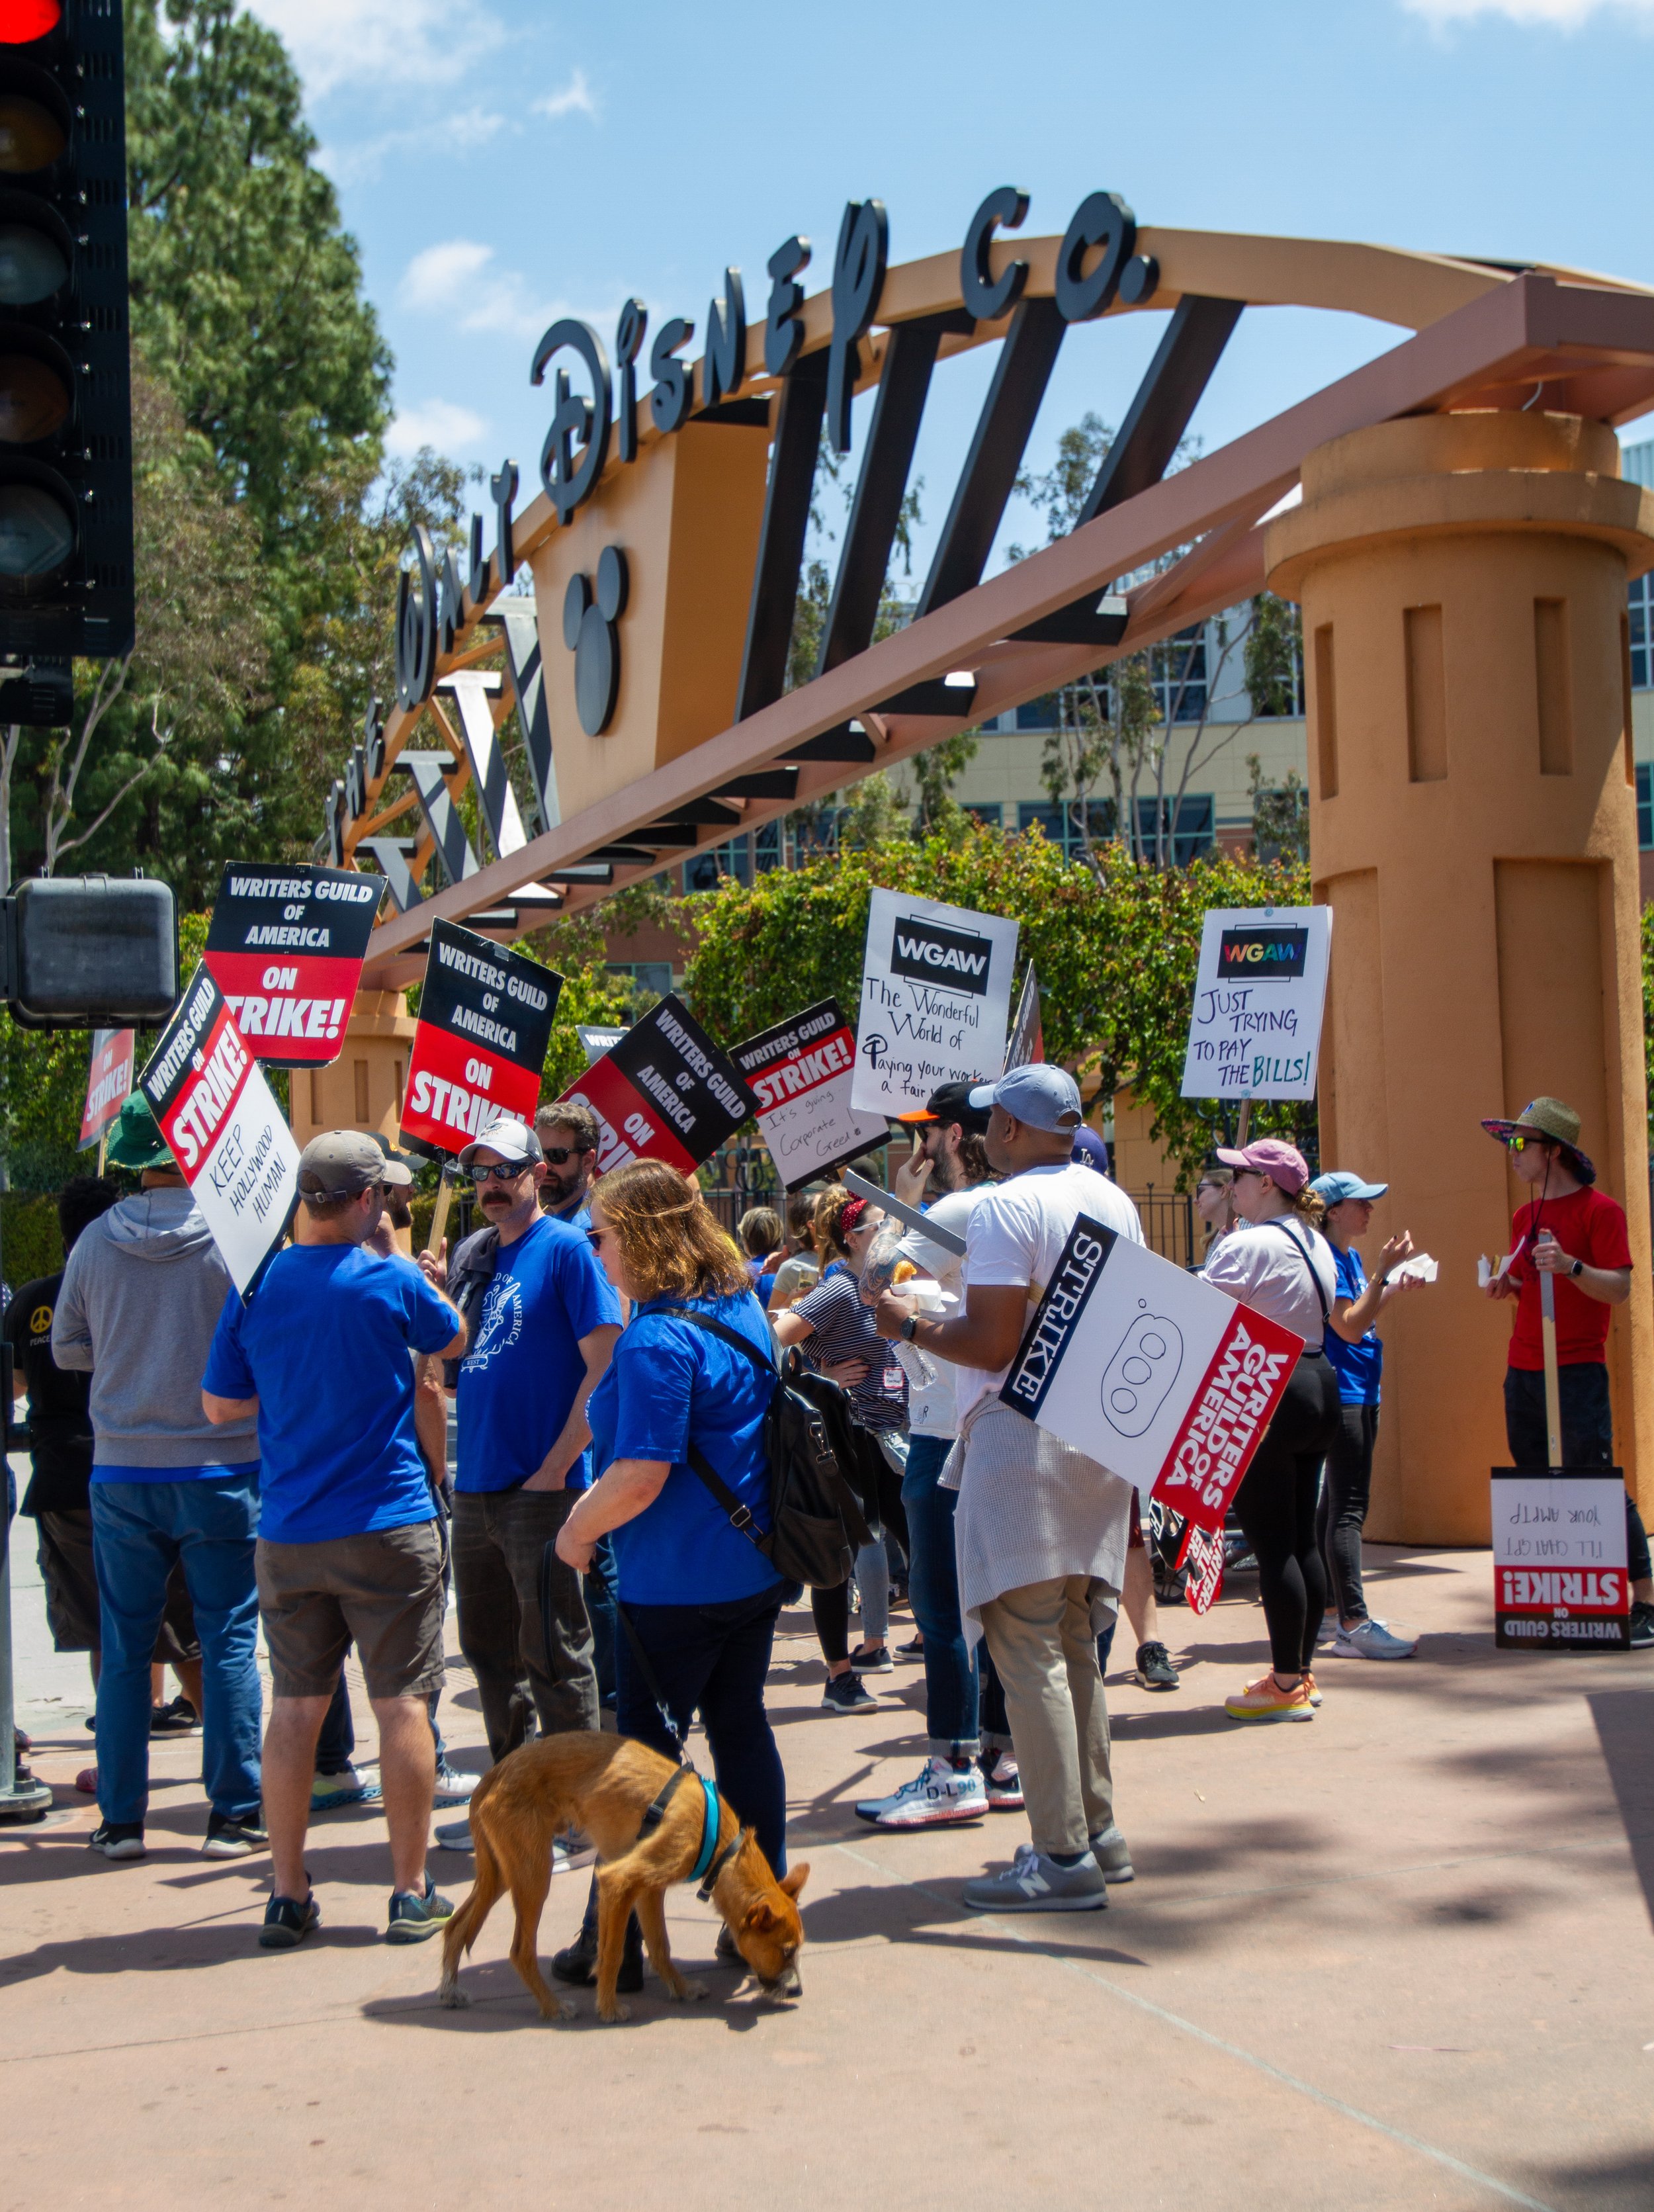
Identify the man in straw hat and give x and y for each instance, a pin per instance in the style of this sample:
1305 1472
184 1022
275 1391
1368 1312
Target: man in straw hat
1576 1234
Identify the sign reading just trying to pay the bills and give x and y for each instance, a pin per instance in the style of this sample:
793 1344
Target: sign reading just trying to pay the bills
1255 1031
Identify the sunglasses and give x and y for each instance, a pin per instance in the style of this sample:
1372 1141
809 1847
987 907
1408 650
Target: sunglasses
557 1154
1520 1144
595 1236
503 1171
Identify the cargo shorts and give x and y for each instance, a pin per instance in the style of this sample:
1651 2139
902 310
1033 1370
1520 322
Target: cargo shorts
382 1591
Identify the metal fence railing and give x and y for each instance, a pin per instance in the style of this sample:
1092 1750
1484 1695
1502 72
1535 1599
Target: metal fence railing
1170 1225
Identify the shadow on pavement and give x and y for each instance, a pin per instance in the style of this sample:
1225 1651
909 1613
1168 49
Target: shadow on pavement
1625 1729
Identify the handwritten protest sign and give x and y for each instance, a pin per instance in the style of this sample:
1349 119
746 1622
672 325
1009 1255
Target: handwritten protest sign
108 1083
800 1073
285 946
485 1017
223 1127
1151 1371
1259 992
664 1092
935 1001
1559 1566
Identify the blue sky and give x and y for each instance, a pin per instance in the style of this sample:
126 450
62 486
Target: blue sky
502 161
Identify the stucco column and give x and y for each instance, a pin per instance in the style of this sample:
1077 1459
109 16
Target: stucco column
1472 826
363 1088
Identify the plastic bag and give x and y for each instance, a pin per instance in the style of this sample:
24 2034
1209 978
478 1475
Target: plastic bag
883 1269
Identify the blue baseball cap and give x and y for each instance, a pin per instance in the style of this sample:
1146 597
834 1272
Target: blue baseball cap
1334 1189
1089 1151
1043 1096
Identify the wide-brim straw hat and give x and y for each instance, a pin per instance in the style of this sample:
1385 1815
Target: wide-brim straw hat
1548 1117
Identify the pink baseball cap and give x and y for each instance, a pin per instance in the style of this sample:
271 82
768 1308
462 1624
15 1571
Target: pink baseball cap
1272 1156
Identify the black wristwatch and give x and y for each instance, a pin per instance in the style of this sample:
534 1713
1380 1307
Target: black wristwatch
1577 1268
910 1328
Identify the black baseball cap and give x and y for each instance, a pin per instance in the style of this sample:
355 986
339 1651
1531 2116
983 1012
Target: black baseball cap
950 1102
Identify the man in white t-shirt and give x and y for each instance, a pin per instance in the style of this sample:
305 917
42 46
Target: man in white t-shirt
1041 1529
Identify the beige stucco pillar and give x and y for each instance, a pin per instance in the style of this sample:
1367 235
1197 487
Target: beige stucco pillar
1472 826
362 1089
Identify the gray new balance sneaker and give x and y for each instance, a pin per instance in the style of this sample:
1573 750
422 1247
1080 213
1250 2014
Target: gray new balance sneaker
1113 1857
1033 1883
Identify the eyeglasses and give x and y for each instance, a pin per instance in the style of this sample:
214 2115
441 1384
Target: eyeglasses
558 1153
502 1171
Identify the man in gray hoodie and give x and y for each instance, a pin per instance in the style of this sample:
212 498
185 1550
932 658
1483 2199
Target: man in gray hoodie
141 1297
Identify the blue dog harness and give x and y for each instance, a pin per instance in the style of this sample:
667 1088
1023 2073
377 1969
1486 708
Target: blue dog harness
711 1862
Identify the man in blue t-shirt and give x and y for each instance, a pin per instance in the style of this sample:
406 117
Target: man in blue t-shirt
543 1325
350 1546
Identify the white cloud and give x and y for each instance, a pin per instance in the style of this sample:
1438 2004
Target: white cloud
1558 14
436 422
472 127
576 98
380 42
458 279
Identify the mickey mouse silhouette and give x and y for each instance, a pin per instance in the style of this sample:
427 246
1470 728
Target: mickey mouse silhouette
589 631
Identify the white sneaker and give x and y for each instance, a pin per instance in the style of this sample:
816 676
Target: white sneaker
939 1794
1371 1640
454 1789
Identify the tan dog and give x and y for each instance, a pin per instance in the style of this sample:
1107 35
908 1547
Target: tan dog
604 1785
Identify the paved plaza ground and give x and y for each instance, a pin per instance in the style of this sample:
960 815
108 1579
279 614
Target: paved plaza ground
1400 1958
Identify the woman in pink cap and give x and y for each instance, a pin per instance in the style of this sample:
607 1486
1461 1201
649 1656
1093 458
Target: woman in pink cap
1276 1261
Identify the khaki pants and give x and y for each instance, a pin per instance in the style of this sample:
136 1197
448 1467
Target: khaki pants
1044 1647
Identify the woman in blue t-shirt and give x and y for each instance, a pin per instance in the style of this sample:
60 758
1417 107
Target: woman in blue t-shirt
700 1597
1357 1357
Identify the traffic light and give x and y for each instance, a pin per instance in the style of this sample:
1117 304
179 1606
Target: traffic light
65 396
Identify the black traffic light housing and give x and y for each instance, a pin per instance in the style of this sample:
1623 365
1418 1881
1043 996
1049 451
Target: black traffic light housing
89 952
65 385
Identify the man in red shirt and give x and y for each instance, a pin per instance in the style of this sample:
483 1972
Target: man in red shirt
1576 1236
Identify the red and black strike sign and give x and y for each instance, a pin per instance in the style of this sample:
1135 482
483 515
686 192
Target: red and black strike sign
800 1073
285 946
665 1092
485 1018
223 1127
108 1083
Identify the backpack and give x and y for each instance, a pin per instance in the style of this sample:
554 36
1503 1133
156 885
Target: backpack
818 1518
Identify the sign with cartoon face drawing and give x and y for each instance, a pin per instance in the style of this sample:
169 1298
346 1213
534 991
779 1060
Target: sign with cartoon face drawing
1152 1372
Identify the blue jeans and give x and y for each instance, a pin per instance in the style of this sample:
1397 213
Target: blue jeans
138 1529
950 1705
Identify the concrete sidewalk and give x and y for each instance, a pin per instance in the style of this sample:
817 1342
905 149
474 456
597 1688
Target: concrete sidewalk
1398 1958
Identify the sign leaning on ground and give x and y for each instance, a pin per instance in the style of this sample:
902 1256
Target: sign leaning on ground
1260 990
664 1092
800 1073
485 1018
228 1134
1560 1579
1147 1369
285 946
935 1000
108 1082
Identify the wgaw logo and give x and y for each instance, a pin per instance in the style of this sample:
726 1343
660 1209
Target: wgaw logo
931 954
1262 955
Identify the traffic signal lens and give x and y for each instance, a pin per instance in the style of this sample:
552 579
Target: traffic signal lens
22 21
37 536
33 400
31 136
33 266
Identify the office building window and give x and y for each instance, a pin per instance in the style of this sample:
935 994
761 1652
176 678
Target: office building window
651 975
1641 597
1037 713
987 810
734 858
1194 831
1645 805
1066 826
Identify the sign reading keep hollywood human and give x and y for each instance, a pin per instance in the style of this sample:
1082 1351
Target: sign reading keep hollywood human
1259 993
285 946
800 1073
1151 1371
935 1001
664 1092
486 1015
223 1127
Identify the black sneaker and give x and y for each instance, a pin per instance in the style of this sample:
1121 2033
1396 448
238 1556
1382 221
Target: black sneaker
178 1718
233 1839
1154 1668
875 1659
576 1964
119 1839
1642 1625
914 1648
844 1693
287 1922
415 1919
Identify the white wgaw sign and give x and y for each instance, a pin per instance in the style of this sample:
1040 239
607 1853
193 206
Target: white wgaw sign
1259 993
935 1000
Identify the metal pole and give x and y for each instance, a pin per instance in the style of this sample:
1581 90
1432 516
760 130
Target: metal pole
1553 1387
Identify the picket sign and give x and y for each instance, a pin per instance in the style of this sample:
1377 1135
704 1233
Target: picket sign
285 946
664 1092
108 1085
485 1017
935 1001
1151 1371
223 1127
800 1072
1027 1043
1260 992
1560 1573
